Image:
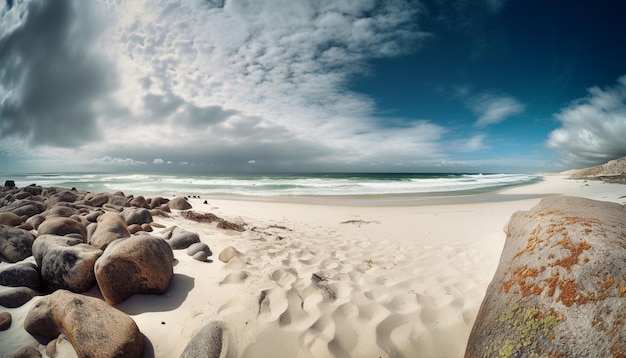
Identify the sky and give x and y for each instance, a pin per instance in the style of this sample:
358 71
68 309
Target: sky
221 86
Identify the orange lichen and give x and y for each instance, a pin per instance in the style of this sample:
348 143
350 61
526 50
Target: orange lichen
609 282
522 277
575 251
568 292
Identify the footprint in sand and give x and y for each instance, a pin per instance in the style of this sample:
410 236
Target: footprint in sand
346 337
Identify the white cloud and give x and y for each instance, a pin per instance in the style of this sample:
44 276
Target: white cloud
593 128
106 160
252 161
493 109
215 83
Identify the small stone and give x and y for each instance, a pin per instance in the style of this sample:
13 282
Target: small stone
5 321
228 254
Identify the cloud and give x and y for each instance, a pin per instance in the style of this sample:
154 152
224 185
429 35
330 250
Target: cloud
51 79
592 129
106 160
493 109
209 83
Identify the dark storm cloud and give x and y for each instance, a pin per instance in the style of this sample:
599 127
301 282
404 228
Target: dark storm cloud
50 76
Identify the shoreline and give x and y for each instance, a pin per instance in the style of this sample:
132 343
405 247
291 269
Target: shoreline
403 277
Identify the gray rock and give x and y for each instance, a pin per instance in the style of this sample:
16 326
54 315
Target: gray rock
60 210
139 202
212 341
33 189
13 297
27 352
23 274
66 263
98 200
27 208
179 238
5 320
137 216
198 249
15 244
62 226
94 328
10 219
560 286
145 262
110 227
94 215
35 220
179 203
157 202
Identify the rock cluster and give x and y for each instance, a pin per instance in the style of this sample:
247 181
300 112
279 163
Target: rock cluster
560 287
60 243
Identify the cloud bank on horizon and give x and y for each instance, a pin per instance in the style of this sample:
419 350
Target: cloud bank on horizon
243 85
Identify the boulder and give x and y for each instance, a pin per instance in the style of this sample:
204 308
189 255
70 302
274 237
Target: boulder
560 286
65 196
199 251
66 263
179 238
213 340
145 262
62 226
137 216
146 228
228 254
98 200
13 297
157 202
93 216
179 203
60 210
27 208
10 219
35 220
94 328
5 320
9 183
33 189
15 244
22 274
139 202
110 227
27 352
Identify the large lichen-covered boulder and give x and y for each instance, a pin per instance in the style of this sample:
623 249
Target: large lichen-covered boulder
15 244
61 226
560 287
66 262
94 328
110 227
144 262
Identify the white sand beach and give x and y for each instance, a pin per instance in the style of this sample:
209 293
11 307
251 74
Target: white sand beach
322 277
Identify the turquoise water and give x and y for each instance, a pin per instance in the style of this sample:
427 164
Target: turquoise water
349 184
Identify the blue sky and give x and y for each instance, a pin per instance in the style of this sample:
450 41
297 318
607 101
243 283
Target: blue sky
292 86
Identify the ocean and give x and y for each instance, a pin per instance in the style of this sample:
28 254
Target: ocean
346 184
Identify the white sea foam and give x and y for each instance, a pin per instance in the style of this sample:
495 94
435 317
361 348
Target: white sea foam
279 185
